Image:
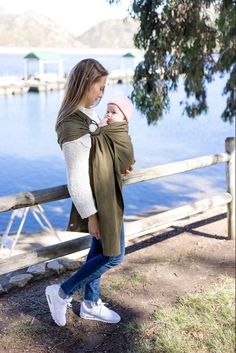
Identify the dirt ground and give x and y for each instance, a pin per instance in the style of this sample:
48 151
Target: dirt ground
157 271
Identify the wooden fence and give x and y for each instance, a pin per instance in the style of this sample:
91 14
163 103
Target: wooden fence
133 229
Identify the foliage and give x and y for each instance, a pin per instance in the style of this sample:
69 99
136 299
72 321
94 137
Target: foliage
188 39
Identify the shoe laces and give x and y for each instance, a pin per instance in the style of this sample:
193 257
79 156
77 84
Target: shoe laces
68 302
100 302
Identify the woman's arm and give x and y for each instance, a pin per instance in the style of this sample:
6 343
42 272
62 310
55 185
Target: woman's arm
76 154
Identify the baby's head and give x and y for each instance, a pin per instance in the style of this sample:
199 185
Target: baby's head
119 110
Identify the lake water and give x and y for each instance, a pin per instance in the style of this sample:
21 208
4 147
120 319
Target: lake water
30 158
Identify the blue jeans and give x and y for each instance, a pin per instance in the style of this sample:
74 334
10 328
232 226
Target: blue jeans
89 274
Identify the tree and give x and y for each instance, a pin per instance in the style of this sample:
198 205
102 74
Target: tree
192 39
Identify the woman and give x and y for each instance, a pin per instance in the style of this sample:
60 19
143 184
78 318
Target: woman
94 163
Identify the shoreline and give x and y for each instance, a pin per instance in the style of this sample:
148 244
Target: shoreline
97 51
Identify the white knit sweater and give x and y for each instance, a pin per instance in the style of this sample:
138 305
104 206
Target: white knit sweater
76 154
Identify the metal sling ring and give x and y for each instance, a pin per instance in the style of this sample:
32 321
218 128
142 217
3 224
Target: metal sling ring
94 128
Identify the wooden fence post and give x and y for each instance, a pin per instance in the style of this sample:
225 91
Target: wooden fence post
230 178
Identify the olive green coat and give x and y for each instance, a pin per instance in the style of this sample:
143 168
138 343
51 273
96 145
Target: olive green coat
111 155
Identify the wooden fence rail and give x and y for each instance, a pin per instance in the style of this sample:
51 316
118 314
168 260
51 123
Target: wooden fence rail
136 228
25 199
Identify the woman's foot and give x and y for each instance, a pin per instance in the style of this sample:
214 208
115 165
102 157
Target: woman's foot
98 311
57 304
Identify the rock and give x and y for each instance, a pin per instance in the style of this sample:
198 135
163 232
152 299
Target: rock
55 266
39 269
20 280
70 264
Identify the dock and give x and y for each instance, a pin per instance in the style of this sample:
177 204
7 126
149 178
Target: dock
45 80
19 86
120 77
35 85
12 85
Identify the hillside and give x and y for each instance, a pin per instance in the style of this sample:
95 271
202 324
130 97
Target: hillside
33 30
110 34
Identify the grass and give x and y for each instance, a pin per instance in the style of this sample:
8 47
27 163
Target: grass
24 329
200 323
128 281
28 334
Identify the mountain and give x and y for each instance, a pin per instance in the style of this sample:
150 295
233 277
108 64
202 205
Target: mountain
110 34
30 29
33 30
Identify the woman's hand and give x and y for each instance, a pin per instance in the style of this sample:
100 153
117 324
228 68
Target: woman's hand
93 226
130 169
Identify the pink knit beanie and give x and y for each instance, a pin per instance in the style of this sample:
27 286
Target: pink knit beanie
125 105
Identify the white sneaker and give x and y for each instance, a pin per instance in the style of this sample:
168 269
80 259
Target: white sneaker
98 311
57 305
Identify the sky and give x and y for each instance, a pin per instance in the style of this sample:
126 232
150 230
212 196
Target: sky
75 15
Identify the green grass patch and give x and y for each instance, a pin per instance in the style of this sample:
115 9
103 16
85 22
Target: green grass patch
129 280
200 323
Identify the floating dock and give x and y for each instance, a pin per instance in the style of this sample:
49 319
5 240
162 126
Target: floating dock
11 85
120 77
40 86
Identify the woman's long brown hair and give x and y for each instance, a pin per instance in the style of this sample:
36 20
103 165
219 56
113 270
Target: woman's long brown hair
81 78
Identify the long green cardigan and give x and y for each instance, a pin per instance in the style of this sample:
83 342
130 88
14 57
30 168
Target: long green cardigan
111 155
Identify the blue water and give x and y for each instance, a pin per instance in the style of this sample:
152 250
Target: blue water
14 64
30 158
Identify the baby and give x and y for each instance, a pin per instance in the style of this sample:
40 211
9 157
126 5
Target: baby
117 110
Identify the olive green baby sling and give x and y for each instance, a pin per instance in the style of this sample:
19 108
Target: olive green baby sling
111 155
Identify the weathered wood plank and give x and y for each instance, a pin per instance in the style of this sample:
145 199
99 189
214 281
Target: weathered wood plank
32 198
152 223
175 168
230 179
137 228
47 253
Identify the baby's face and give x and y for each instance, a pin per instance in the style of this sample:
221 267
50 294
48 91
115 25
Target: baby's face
114 114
